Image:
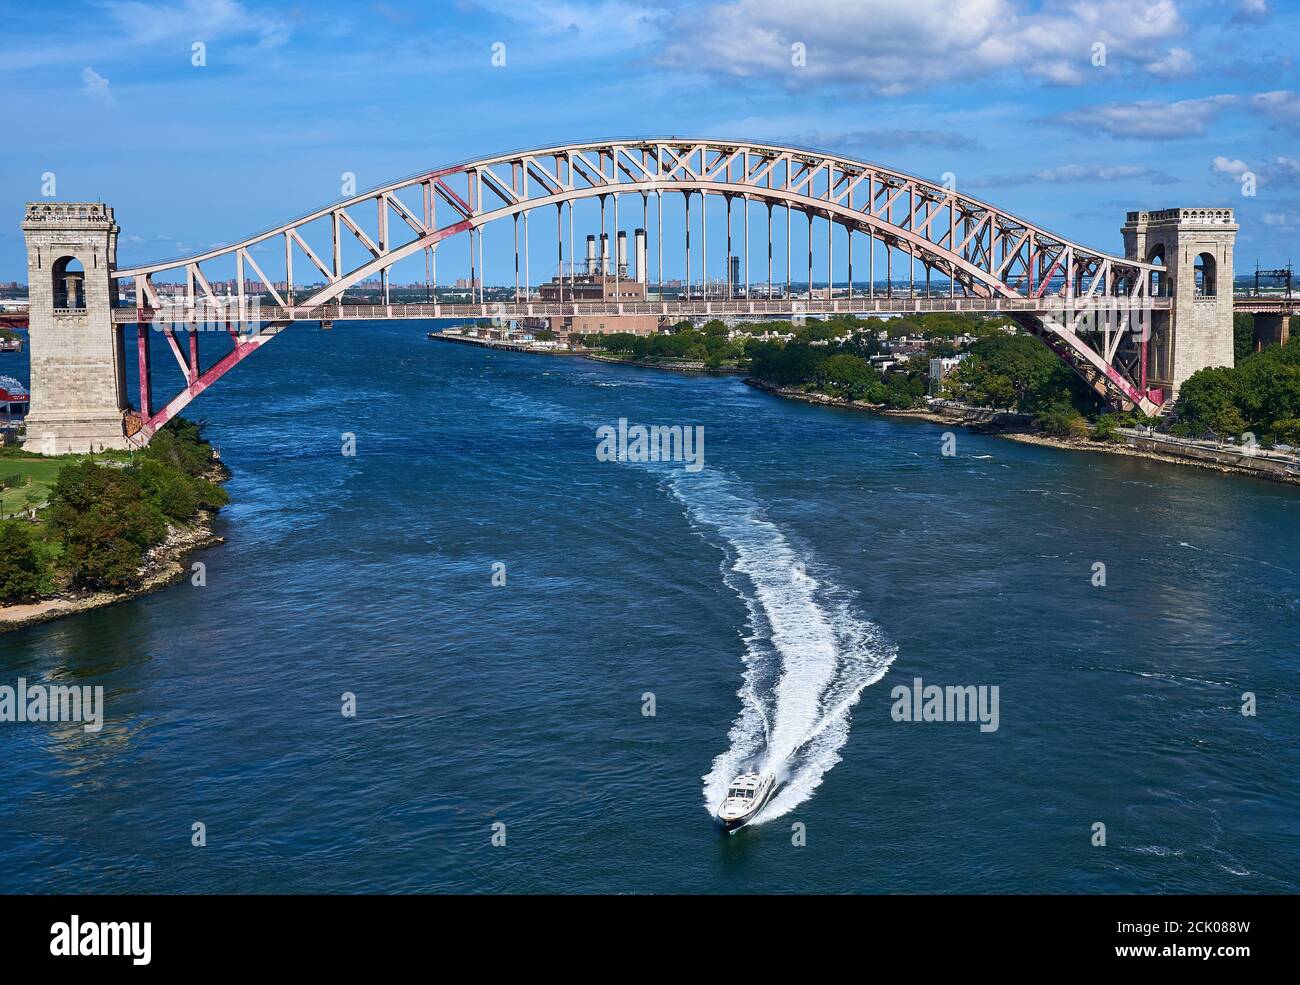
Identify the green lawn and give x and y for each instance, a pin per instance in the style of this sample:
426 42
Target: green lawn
35 475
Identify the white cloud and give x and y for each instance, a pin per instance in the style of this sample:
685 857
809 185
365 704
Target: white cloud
198 20
1149 119
95 86
1285 221
883 138
1281 106
1232 167
1178 62
1279 171
888 45
1287 166
1251 10
1075 173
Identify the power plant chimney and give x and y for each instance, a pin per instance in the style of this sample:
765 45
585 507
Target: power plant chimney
640 273
622 253
591 255
604 254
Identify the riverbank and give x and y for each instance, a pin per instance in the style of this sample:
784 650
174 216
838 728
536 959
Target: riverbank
1017 427
162 565
689 366
676 366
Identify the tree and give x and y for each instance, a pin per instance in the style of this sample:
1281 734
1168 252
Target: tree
1207 400
171 489
105 522
1019 372
903 391
1287 431
786 365
1062 421
1243 335
24 571
1108 428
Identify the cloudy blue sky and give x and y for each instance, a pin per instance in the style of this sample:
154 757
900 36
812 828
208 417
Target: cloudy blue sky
1069 112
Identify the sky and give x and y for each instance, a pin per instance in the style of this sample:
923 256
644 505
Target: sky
1067 112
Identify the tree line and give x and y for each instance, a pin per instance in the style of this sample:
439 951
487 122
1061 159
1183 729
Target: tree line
104 515
1260 396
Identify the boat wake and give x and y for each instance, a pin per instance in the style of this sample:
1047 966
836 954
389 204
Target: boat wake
808 654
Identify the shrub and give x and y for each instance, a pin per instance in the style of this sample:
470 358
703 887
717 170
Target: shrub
1063 421
24 573
105 522
1287 431
171 490
1108 428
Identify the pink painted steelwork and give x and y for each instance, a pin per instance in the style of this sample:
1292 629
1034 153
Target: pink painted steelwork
985 252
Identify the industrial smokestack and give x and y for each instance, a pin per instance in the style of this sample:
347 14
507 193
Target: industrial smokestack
591 256
622 253
640 273
604 253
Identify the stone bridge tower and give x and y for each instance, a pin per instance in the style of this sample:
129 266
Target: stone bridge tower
78 385
1195 246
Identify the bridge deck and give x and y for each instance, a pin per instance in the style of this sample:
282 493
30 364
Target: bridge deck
669 309
759 308
1266 306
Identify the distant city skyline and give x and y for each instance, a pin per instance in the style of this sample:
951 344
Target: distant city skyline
203 121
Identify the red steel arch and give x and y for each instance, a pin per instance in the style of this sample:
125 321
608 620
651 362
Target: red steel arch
986 253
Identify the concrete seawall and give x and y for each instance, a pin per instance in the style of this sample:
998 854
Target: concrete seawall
1019 427
1264 464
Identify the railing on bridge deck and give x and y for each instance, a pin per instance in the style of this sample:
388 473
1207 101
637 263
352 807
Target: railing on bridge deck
1265 305
206 312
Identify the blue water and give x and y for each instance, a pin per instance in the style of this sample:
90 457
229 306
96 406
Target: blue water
769 602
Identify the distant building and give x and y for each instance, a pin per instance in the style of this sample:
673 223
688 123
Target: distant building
594 287
941 368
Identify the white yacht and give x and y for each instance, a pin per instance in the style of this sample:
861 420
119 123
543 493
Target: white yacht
746 795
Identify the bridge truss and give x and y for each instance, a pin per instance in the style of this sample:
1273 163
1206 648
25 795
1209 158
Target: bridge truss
1093 309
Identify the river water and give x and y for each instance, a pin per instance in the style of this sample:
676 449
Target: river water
763 608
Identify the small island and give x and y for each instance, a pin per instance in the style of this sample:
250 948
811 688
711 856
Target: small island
81 531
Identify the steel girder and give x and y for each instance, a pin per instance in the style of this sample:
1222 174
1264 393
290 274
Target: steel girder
985 252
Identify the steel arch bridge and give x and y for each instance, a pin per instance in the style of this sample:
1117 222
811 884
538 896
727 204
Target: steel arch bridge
1093 309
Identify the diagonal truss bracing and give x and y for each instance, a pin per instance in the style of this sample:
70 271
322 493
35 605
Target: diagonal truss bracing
984 252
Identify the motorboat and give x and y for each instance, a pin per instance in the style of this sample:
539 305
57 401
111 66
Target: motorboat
746 796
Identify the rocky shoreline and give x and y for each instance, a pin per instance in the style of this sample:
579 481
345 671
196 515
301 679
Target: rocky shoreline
164 564
695 368
989 424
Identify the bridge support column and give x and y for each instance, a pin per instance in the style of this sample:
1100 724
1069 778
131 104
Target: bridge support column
1271 330
78 368
1195 246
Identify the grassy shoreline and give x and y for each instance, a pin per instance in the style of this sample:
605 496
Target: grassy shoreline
113 526
165 567
693 367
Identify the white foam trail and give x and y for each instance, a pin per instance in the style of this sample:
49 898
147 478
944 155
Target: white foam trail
808 656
